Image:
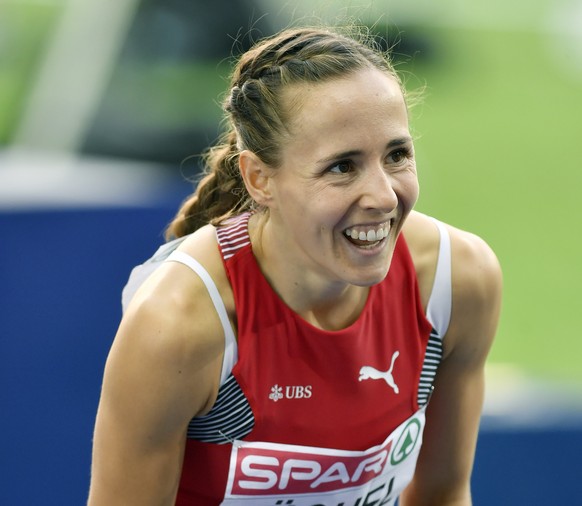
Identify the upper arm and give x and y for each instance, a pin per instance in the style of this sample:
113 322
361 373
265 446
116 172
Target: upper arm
162 370
446 459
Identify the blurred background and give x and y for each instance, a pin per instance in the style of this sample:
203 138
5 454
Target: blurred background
104 107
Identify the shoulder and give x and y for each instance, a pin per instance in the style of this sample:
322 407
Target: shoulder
475 269
477 288
173 318
176 287
476 280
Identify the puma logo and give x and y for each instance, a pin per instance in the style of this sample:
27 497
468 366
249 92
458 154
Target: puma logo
368 372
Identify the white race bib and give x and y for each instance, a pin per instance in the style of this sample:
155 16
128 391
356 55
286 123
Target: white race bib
272 474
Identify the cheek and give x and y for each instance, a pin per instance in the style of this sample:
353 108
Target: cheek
331 205
320 214
409 190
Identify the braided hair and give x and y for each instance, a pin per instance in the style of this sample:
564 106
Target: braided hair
256 119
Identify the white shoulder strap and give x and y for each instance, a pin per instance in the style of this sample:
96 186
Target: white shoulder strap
230 345
439 306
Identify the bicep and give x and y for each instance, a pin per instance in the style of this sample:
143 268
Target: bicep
155 380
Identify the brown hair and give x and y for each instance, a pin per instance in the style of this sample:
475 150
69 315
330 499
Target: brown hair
255 118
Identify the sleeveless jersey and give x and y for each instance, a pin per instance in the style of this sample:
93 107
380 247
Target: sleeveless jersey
305 416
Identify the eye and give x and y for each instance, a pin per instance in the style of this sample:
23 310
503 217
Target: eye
342 167
399 156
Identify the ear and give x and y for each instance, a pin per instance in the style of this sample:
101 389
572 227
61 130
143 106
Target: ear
256 176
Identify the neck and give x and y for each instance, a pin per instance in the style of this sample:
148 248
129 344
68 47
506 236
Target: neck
326 304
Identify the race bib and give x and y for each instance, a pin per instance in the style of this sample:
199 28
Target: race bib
271 474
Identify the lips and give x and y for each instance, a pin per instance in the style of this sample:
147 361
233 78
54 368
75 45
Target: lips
367 235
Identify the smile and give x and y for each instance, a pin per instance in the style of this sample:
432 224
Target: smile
366 236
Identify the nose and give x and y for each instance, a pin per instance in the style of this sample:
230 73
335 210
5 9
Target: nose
378 191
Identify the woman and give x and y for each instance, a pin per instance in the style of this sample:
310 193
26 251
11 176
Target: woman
286 344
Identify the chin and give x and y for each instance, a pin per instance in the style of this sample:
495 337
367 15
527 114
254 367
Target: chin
371 278
369 282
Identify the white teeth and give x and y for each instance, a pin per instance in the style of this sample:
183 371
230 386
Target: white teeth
370 236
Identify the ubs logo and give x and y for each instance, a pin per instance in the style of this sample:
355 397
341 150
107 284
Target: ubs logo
290 392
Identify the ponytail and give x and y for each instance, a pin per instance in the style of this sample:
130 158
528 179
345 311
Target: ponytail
220 193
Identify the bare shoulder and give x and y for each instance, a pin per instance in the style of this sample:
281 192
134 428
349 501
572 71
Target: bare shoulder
203 246
477 287
173 319
476 270
476 280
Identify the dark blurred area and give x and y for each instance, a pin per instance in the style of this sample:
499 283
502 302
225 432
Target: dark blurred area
163 101
143 80
160 104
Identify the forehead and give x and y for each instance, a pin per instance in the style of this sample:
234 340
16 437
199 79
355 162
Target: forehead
360 107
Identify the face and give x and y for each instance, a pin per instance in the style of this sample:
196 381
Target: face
347 179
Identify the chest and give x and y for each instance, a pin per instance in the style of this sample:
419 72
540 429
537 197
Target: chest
334 389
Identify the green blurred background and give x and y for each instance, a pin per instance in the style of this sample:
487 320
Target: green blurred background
499 134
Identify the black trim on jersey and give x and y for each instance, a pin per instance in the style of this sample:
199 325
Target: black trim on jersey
432 359
230 418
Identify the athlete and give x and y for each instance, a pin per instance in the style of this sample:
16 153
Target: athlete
304 337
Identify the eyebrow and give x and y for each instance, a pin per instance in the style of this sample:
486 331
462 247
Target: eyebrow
355 152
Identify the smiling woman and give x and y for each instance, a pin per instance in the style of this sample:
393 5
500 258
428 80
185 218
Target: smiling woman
348 163
284 345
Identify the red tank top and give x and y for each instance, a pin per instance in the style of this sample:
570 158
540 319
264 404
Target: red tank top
309 416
